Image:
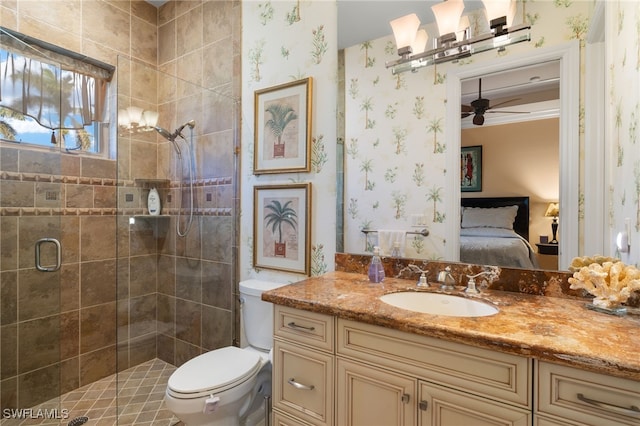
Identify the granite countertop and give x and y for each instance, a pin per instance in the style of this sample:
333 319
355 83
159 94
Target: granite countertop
554 329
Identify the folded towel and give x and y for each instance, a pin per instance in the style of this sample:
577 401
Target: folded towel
386 239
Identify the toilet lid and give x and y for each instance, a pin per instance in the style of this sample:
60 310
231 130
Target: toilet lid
214 370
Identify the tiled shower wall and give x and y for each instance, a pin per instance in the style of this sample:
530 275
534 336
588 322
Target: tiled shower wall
199 42
127 292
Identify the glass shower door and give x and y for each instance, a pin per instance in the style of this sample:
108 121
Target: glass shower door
36 318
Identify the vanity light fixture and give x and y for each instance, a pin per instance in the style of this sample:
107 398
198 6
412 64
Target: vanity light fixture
134 120
455 41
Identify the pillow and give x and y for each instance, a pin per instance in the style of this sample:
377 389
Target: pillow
493 217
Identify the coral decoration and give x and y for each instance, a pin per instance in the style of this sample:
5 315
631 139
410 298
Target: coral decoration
578 262
611 281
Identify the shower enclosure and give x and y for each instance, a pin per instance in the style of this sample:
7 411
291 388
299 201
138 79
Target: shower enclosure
90 283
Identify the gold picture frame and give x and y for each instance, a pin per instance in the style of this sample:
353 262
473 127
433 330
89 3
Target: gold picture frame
282 227
282 128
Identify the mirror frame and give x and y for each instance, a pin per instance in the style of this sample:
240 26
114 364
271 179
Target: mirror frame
568 55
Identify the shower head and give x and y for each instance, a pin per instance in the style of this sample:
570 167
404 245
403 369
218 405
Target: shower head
190 123
165 133
170 137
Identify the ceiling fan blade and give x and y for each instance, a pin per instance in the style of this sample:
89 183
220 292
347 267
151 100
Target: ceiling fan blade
508 112
503 103
465 114
466 108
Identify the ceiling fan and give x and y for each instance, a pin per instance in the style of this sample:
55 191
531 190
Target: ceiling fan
481 106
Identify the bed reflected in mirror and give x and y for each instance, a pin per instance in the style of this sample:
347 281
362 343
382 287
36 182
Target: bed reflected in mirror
495 231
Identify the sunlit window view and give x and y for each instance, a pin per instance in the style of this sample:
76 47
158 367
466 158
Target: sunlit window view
45 105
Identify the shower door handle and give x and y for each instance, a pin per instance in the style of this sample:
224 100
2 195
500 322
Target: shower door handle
55 267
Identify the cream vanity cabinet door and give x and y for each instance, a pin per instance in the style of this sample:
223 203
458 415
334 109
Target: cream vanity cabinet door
584 398
368 396
441 406
303 368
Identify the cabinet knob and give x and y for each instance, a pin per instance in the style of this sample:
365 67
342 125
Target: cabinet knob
423 405
405 398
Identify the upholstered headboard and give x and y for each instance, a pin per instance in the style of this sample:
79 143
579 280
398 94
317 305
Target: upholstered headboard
521 222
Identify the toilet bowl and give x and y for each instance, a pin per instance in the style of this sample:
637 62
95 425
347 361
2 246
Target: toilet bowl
228 386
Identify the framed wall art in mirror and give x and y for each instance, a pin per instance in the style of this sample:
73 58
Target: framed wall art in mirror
282 120
471 169
281 227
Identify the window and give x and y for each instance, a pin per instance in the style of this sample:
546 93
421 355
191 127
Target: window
50 96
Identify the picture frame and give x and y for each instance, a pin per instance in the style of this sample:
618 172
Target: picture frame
282 227
471 168
282 128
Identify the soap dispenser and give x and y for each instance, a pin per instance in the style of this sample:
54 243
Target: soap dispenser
153 202
376 269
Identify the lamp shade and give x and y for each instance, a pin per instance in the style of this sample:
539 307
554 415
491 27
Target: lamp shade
420 43
448 15
498 8
462 27
135 114
553 210
405 29
150 118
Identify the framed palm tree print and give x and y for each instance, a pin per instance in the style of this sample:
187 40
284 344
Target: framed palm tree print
281 228
282 128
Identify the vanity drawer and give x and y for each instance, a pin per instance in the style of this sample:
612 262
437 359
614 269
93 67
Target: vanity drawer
309 328
303 383
586 397
281 419
491 374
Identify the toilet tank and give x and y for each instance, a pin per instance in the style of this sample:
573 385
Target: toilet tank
257 315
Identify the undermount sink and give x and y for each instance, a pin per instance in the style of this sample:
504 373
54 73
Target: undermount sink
439 304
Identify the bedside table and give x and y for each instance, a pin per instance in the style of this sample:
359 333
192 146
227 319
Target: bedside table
548 256
548 249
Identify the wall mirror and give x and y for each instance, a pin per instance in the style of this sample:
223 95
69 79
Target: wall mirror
566 58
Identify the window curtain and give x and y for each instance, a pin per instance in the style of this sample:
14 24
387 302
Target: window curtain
58 95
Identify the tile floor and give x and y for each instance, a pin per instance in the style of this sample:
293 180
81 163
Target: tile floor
132 397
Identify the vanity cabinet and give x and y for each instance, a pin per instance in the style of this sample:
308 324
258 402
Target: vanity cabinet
303 368
388 377
367 395
333 371
569 396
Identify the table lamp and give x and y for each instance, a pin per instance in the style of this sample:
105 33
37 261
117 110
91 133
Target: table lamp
553 211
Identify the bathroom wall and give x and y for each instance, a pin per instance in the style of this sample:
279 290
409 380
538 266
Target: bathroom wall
128 292
285 41
621 137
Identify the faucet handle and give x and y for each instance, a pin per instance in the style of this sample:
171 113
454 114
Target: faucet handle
471 285
423 280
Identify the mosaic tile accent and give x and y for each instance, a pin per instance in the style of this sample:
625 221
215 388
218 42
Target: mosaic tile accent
131 397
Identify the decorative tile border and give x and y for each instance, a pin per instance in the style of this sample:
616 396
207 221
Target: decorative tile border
24 211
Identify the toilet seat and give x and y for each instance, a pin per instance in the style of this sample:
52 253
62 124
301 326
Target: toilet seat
213 372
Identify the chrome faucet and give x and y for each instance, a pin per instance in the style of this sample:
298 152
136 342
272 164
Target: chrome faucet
471 284
446 280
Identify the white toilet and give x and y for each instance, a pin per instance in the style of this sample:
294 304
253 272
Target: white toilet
228 386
